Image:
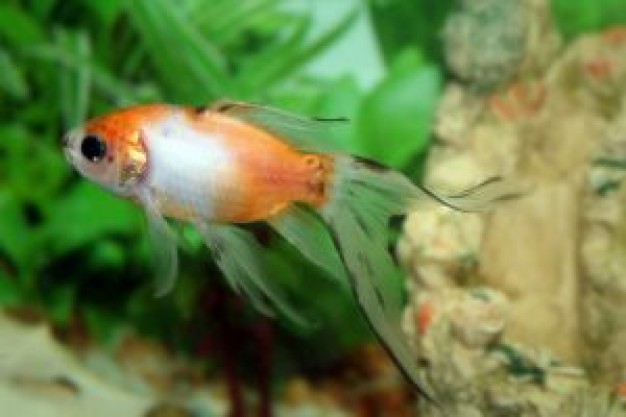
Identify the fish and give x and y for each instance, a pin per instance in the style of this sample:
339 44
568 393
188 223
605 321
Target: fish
230 163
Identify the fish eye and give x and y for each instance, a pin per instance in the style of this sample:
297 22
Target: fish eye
93 148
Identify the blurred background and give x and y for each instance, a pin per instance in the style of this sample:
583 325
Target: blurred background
76 257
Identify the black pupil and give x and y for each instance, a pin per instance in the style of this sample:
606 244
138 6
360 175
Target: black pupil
93 148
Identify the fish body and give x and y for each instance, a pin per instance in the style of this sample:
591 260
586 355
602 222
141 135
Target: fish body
203 164
231 163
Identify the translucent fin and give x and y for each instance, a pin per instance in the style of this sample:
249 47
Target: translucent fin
481 197
305 133
304 230
240 257
365 196
163 245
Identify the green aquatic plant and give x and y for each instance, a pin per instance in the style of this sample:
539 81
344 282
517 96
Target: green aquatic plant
81 255
63 62
583 16
78 253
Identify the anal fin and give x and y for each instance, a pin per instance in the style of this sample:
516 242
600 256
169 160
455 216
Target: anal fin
240 257
305 231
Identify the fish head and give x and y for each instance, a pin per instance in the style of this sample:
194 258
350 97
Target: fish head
110 150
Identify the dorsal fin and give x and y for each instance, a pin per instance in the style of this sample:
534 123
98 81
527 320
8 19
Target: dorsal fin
311 134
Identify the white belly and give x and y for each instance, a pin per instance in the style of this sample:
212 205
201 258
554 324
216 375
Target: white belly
187 168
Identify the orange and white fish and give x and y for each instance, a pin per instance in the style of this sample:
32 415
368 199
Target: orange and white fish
233 163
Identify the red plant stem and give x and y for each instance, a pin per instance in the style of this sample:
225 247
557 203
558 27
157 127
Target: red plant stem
265 338
223 342
232 381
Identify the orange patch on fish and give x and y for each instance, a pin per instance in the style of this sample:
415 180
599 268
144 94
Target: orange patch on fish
271 173
117 127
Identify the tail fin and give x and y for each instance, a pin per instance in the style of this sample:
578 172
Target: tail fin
481 197
364 196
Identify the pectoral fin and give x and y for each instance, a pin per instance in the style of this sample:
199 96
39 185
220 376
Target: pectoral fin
163 246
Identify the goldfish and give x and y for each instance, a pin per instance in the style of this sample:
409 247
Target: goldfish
221 166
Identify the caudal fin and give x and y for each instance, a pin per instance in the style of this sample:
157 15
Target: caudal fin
364 197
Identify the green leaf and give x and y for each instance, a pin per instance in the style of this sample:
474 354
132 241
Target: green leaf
395 120
12 80
290 59
85 216
102 78
61 303
233 21
14 231
104 324
332 309
106 10
107 254
400 24
17 27
342 98
11 294
582 16
42 8
33 169
186 295
518 365
76 85
188 63
614 163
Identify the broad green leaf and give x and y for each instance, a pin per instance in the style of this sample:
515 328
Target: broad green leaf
582 16
410 23
396 117
17 27
12 80
85 216
342 98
